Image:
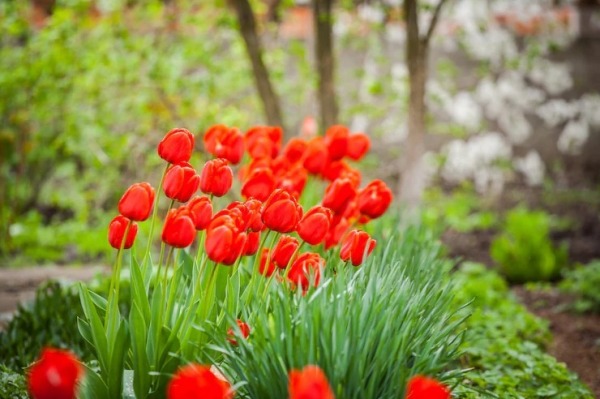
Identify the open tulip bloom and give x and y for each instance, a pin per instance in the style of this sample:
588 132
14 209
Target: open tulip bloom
233 253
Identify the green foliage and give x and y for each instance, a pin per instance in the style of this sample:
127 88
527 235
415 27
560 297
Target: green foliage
504 345
524 251
369 329
12 385
584 282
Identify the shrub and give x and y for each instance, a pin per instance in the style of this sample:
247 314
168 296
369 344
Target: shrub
524 251
583 282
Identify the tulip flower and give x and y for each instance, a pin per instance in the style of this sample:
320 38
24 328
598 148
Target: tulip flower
374 199
356 246
225 239
335 169
306 267
284 249
294 180
200 209
263 141
224 142
216 177
336 141
259 184
309 383
251 244
338 195
181 182
264 268
176 146
198 382
421 387
358 145
137 202
314 225
244 332
116 231
254 221
294 149
55 375
315 156
179 230
281 212
339 225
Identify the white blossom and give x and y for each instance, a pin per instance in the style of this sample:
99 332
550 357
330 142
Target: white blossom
573 137
371 13
590 109
554 77
515 125
464 110
557 111
532 167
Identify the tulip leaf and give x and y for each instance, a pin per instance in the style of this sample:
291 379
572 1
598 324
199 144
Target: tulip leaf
141 365
93 387
117 360
96 327
85 331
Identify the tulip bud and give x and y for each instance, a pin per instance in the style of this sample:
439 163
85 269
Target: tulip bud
252 243
421 387
310 382
224 142
283 251
357 245
254 221
216 177
294 149
259 184
263 141
244 332
339 194
315 156
178 230
177 146
194 381
281 212
314 225
181 182
306 269
55 375
116 232
358 145
264 268
374 199
336 140
137 202
225 239
200 209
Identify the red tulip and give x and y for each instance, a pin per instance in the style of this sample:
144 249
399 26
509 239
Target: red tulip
310 383
224 142
339 194
176 146
336 169
116 231
283 251
225 239
55 375
293 181
200 209
263 141
251 244
216 177
281 212
306 268
357 245
421 387
339 226
374 199
263 268
314 225
255 222
137 202
315 156
336 140
294 149
244 332
179 230
181 182
198 382
259 184
358 145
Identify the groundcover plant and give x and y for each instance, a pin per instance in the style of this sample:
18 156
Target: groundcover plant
290 292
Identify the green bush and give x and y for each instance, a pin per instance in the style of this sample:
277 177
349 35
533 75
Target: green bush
524 251
584 283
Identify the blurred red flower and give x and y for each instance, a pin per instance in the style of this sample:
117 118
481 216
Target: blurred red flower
338 195
309 383
137 202
224 142
358 145
315 156
263 268
421 387
263 141
294 149
374 199
259 184
244 331
198 382
55 375
176 146
336 140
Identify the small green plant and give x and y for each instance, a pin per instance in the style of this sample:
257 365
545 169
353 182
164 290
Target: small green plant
583 282
524 251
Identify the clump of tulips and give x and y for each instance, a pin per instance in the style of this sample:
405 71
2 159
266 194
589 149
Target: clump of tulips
245 244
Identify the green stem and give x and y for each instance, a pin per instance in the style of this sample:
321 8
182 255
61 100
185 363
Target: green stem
162 247
292 259
268 283
116 277
153 221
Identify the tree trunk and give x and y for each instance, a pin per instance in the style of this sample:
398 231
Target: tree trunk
323 25
412 182
270 100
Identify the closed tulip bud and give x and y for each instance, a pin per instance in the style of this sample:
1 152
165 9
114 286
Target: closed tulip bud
281 212
306 269
224 142
315 156
339 226
294 149
116 232
421 387
293 181
335 169
263 141
244 332
55 375
225 240
264 268
374 199
339 194
137 202
259 184
194 381
255 222
178 230
336 140
309 383
358 145
314 225
252 242
216 177
200 209
181 182
356 246
283 251
177 146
